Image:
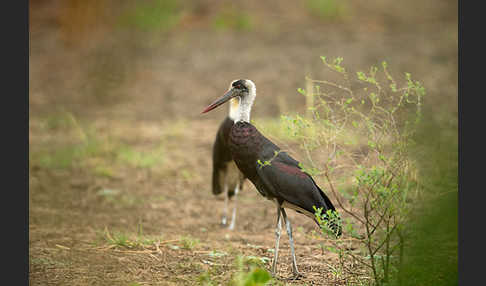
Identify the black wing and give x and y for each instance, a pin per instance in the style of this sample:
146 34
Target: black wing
293 188
221 155
284 179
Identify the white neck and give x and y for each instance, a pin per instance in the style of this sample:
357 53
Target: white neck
233 108
244 108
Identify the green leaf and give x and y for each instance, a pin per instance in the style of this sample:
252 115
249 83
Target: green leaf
361 76
371 144
260 163
408 76
301 91
257 277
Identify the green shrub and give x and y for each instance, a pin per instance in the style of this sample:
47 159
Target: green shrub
431 254
250 273
358 140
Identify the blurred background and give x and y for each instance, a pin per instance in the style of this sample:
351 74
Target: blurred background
116 139
155 59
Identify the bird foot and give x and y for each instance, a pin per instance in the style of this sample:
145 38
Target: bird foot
274 275
296 276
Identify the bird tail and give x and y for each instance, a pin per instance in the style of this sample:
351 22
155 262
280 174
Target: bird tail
217 189
335 223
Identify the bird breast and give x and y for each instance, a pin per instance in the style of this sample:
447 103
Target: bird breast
245 144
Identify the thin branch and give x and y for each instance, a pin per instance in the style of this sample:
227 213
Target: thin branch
383 242
334 85
326 174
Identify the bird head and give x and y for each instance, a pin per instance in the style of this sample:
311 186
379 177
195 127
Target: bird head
242 88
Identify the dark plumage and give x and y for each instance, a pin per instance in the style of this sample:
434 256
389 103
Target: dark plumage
275 174
226 176
281 179
222 159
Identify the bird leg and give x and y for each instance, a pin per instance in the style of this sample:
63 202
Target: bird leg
289 232
278 229
233 217
225 210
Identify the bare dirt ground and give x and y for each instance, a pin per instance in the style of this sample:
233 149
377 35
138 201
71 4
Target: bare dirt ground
120 157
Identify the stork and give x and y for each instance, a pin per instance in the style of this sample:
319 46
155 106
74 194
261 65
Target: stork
281 179
227 177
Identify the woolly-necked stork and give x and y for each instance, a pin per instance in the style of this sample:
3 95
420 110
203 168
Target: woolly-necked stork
281 179
227 178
